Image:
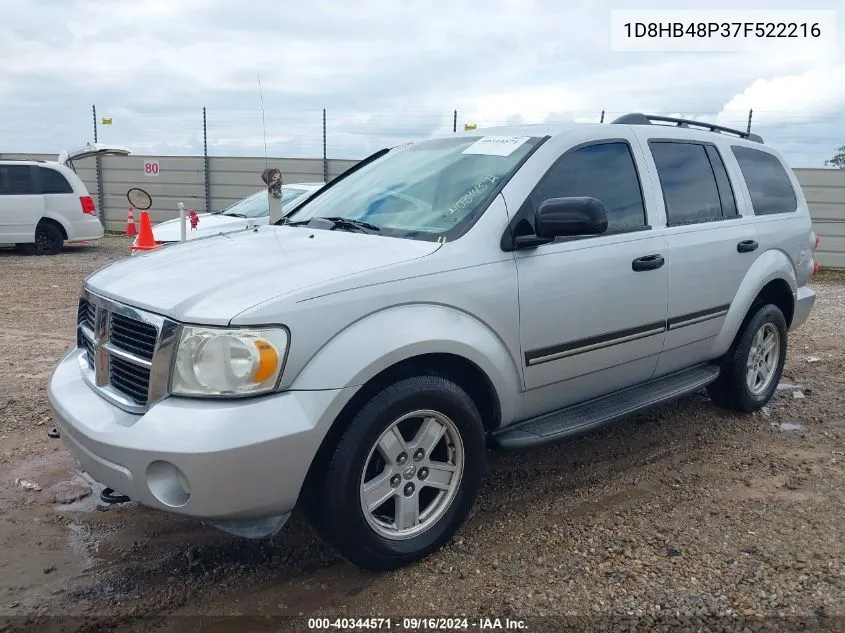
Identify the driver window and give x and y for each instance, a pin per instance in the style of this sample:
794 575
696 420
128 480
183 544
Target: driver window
605 171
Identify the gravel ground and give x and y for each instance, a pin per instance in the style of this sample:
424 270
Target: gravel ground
684 518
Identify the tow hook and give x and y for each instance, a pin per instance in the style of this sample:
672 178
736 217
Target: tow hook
109 496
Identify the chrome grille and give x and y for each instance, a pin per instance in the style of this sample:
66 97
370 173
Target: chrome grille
132 380
133 336
127 352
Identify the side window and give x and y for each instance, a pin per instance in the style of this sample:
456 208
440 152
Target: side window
769 186
605 171
16 180
688 181
53 182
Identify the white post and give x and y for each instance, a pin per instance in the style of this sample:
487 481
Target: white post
182 230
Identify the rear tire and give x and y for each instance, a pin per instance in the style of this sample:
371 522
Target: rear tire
49 239
384 500
751 371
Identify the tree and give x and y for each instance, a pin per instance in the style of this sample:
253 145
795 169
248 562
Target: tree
838 159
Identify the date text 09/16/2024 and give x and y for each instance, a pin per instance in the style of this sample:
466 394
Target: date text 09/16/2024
415 624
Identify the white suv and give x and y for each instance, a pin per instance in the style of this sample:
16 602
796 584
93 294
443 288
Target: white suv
45 203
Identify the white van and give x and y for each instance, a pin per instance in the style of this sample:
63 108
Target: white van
45 203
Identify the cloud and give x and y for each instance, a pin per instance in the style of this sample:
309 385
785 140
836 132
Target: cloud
385 72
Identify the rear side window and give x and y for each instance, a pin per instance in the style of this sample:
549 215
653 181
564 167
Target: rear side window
694 182
53 182
769 186
605 171
16 180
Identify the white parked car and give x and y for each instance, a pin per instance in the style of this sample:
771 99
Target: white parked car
45 203
254 208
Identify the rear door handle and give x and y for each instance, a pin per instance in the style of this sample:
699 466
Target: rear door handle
647 262
746 246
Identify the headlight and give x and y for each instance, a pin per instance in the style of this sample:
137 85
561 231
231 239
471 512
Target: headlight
228 362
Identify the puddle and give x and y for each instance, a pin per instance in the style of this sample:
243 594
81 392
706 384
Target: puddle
789 426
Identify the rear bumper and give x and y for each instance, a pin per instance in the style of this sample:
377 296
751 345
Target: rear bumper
805 298
210 459
87 228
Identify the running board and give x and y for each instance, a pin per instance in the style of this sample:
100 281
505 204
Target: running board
589 415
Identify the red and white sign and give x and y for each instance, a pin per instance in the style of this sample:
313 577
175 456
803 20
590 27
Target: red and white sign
151 168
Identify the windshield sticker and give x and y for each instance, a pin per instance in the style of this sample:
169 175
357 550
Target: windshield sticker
496 145
470 196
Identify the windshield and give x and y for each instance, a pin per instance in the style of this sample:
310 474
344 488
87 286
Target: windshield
425 190
257 206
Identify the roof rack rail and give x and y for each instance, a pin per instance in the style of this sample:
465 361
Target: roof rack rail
636 118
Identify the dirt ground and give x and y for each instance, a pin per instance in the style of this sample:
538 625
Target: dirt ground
684 518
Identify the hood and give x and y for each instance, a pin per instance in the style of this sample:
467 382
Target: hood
214 279
91 149
209 224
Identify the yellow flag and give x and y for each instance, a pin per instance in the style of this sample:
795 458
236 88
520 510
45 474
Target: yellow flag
470 126
106 120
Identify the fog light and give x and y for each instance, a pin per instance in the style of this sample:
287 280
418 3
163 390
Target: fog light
168 484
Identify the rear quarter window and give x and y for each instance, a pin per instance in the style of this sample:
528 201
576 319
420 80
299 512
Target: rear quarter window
53 182
767 181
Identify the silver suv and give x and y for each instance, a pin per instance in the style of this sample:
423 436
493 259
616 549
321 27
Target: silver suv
505 289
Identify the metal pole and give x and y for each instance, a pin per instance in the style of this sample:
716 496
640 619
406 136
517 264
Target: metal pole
748 130
182 216
205 161
101 195
455 122
325 157
602 117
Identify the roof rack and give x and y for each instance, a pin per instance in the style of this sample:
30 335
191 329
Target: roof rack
636 118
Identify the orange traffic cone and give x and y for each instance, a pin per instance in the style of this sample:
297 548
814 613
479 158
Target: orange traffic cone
130 224
146 241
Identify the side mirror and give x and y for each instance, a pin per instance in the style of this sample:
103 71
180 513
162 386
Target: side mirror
564 217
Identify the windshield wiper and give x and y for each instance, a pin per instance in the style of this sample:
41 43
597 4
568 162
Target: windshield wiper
344 224
352 225
236 215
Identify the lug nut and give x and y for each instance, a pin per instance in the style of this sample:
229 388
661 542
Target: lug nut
409 489
419 454
423 474
395 480
403 457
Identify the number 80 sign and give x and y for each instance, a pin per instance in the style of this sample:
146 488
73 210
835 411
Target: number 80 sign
151 168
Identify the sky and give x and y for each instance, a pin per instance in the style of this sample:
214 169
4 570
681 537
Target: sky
385 71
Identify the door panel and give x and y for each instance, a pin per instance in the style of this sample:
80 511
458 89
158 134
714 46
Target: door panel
706 272
583 308
21 206
710 245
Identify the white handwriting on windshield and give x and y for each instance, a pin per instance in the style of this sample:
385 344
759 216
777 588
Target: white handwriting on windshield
470 196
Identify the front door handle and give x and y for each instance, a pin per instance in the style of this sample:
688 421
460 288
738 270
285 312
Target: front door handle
746 246
647 262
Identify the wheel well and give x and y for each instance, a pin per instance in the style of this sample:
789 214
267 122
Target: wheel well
456 368
779 293
52 221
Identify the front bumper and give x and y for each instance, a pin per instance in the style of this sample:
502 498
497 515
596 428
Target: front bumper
236 459
805 298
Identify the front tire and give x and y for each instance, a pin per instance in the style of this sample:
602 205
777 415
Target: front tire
403 477
751 371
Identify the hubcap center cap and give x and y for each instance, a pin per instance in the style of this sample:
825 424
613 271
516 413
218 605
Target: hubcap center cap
409 471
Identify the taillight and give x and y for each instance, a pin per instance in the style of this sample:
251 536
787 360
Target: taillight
88 205
818 241
815 267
